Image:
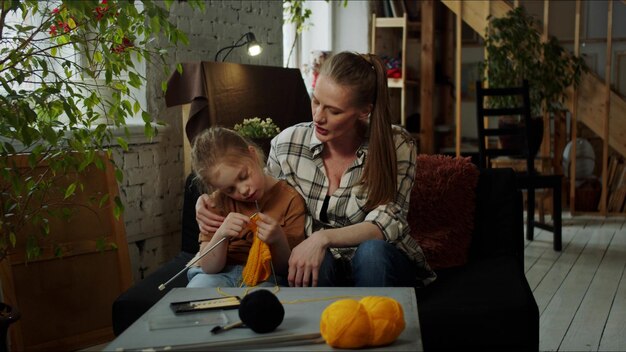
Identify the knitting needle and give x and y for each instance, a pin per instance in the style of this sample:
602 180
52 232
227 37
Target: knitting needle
195 260
191 262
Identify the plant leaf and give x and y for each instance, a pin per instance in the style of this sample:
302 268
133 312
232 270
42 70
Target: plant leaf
70 190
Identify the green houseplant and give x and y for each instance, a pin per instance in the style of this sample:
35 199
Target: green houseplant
69 71
515 52
259 131
257 128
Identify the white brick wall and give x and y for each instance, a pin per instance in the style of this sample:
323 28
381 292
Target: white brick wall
152 190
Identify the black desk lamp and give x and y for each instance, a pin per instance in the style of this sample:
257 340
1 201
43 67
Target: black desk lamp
254 48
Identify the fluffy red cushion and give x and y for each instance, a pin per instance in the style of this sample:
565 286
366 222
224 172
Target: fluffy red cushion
441 213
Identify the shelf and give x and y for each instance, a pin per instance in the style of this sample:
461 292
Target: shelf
412 93
389 22
394 41
400 83
395 83
395 22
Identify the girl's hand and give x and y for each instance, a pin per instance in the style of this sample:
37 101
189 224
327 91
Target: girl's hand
305 261
268 229
233 225
208 220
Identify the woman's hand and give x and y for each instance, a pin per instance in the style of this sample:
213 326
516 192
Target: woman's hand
268 230
233 226
306 259
208 221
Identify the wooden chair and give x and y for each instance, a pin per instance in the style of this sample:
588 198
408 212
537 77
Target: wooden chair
529 179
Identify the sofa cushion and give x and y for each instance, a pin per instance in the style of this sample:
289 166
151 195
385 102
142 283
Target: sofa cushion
441 213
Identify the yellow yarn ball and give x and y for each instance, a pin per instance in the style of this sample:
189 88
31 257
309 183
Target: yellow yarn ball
386 318
345 324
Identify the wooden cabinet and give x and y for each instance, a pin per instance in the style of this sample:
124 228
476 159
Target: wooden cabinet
65 303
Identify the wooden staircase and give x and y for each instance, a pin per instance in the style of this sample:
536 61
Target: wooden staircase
591 92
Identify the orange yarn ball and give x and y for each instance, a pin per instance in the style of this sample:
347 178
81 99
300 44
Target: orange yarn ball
386 317
345 324
374 321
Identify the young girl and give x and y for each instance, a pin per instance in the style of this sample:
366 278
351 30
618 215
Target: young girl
225 161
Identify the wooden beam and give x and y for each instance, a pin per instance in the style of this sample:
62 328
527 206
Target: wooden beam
427 77
403 92
457 79
607 108
445 91
574 124
486 83
545 143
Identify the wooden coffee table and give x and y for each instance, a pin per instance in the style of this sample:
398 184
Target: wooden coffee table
160 329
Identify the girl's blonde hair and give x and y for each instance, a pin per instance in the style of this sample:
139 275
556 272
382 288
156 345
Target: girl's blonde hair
366 76
217 145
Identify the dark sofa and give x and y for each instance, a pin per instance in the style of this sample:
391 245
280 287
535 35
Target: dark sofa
486 303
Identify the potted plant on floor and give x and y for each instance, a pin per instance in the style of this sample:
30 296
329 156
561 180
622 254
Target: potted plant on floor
515 52
68 80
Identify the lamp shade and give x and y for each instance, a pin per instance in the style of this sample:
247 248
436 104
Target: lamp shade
254 48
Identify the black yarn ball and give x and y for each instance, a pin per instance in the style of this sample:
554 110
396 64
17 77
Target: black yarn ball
261 311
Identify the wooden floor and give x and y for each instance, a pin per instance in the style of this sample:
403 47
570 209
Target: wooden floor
580 291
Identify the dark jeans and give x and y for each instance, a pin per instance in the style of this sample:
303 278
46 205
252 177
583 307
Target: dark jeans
376 263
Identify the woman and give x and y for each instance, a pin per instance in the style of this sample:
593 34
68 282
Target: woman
355 171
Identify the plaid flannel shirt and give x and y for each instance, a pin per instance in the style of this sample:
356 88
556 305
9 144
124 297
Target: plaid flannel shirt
295 156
